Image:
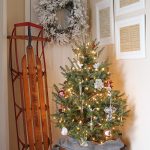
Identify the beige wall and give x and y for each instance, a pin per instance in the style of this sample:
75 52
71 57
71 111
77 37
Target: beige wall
16 13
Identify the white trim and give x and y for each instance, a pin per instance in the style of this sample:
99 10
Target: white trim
4 125
99 6
127 22
128 9
27 10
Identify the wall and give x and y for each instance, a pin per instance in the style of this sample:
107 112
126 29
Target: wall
4 129
16 13
132 76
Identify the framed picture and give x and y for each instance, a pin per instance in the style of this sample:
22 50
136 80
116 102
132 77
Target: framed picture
130 38
127 6
105 22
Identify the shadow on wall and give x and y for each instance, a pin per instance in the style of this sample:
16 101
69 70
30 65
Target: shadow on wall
119 82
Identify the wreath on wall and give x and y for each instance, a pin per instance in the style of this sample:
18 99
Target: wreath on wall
63 20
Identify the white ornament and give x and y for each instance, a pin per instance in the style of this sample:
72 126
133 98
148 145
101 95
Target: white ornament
98 84
108 133
109 111
96 66
64 131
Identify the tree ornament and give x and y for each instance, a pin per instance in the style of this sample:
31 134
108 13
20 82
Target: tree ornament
80 90
61 93
96 66
109 111
108 84
62 20
107 133
91 123
64 131
98 84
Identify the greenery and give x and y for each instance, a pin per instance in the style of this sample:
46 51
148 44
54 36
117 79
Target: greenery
83 108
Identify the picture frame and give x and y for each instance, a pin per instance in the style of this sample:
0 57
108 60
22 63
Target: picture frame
130 37
105 22
127 6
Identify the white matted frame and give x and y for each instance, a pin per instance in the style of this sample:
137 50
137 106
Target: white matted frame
128 6
134 50
105 22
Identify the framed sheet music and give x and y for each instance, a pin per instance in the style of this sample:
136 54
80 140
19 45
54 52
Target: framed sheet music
130 38
105 22
128 6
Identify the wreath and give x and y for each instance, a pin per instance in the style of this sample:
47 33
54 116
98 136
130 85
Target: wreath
62 20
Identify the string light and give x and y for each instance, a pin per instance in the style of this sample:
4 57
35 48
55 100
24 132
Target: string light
97 109
103 69
113 117
93 52
80 122
94 117
86 88
88 44
119 118
79 108
89 106
78 128
113 128
60 120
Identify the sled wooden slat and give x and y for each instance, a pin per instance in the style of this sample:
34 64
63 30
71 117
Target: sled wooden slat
28 112
34 99
42 103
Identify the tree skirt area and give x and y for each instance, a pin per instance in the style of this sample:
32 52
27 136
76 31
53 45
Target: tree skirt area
71 144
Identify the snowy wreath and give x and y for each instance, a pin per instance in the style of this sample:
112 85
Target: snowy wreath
63 20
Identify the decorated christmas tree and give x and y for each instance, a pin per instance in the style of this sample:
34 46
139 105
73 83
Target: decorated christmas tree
88 108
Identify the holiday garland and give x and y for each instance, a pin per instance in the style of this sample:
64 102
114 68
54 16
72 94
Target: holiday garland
76 24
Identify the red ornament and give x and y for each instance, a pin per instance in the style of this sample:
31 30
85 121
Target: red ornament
108 83
61 93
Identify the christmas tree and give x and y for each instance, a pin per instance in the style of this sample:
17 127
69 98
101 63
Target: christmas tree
88 108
